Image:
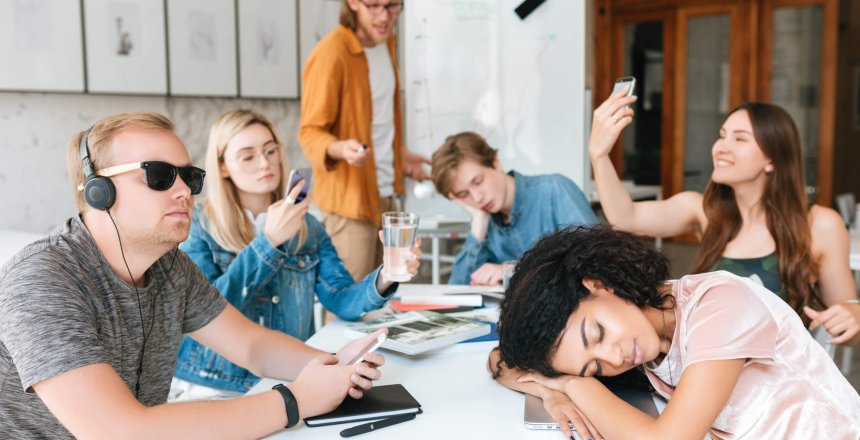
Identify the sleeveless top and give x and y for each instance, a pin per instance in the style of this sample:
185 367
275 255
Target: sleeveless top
764 270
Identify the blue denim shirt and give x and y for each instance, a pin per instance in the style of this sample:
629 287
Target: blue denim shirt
274 287
542 204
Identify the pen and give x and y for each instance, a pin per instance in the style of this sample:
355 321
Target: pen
373 426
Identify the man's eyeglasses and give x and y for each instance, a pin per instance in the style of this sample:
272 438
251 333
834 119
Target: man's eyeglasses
160 176
376 8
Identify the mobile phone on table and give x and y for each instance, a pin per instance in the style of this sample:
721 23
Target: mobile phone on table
297 175
371 346
627 82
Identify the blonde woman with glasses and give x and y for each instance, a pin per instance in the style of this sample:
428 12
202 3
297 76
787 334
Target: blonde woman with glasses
263 252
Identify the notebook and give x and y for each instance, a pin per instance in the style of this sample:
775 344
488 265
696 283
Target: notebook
535 417
380 402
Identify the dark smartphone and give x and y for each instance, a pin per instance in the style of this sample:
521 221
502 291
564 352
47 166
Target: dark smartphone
299 174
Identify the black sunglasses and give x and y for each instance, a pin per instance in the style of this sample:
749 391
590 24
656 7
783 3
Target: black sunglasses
160 176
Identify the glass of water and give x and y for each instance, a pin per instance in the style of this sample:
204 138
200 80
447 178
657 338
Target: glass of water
398 236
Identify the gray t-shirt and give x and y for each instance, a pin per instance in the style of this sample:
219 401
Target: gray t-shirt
62 307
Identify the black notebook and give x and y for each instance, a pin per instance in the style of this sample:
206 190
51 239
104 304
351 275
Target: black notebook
380 402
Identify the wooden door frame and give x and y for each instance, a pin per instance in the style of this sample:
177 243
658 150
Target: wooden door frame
829 66
609 64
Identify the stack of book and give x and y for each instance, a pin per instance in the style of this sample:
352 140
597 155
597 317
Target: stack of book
419 331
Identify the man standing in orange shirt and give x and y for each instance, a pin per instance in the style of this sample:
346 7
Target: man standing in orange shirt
351 129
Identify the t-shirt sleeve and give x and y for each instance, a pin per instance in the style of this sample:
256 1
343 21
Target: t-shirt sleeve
730 321
203 302
47 324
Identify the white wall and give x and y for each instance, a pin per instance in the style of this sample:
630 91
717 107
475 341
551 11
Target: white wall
35 193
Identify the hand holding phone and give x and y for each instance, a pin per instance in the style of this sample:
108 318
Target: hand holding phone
610 118
297 175
353 352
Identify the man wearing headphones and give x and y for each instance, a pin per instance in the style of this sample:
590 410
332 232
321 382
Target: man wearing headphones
96 311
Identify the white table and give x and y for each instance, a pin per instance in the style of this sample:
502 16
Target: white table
457 395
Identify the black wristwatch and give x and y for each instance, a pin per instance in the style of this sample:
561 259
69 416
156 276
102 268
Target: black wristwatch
291 404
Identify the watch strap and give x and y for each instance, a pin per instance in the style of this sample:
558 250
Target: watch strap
291 404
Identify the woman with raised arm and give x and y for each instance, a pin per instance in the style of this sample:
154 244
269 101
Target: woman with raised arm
753 218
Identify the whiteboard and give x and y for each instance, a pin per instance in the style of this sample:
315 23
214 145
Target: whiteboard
474 65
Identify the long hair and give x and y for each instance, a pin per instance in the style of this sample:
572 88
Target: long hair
785 205
228 224
347 17
547 287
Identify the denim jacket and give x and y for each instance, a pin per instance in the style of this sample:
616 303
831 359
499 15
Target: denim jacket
542 204
274 287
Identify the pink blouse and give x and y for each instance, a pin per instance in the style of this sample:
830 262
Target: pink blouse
788 388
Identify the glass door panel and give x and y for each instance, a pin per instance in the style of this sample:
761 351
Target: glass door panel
795 78
643 59
706 101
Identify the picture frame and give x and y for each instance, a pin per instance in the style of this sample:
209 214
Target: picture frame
41 43
125 46
317 19
268 49
202 47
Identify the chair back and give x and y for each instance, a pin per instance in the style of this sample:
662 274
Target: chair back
847 206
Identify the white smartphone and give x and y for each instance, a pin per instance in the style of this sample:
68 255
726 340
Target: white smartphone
371 346
297 175
627 82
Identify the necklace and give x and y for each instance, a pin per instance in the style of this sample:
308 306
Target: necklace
666 335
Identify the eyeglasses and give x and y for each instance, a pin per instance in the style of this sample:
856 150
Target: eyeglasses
160 176
249 160
376 9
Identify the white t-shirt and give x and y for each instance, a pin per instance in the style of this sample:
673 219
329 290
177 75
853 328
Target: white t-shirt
382 86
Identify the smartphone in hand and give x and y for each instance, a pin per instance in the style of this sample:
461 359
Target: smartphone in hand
371 346
297 175
627 82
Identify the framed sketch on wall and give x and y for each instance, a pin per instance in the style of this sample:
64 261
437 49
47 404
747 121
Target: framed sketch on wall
268 49
125 46
41 46
201 38
318 18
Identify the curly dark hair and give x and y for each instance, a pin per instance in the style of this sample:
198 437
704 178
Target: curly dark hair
547 287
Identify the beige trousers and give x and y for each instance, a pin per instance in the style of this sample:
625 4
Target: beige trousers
357 241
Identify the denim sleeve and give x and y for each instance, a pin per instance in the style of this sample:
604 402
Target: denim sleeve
253 267
570 207
473 255
338 292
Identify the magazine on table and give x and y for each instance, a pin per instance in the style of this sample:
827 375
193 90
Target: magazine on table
422 330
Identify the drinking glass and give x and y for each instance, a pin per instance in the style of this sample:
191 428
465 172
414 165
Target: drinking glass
398 235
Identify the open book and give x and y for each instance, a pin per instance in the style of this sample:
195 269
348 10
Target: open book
419 331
